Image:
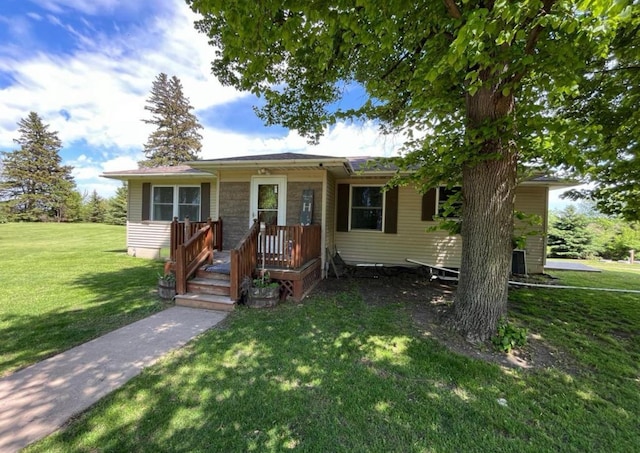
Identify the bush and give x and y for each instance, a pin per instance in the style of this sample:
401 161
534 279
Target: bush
509 336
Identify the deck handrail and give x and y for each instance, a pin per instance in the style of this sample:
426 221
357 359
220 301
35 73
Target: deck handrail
243 260
182 231
289 246
192 254
285 247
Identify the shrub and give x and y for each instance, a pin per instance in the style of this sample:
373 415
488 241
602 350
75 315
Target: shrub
509 336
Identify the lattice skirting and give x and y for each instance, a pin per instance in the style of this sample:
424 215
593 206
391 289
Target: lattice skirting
296 285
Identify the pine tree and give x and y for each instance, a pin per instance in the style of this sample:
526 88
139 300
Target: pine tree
117 207
33 182
176 138
569 235
96 208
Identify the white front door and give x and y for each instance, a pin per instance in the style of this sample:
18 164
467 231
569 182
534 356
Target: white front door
269 200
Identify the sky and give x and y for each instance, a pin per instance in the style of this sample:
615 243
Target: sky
87 67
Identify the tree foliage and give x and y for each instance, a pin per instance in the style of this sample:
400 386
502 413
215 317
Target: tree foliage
472 86
176 138
609 100
96 208
569 235
117 207
34 183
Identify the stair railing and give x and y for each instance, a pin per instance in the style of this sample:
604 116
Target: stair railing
244 260
182 231
192 254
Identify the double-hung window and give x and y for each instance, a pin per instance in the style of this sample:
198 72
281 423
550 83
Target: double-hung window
367 204
176 201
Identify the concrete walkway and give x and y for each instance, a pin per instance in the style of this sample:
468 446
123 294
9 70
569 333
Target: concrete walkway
38 400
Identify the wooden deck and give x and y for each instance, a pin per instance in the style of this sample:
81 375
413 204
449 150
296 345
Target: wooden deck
205 274
295 284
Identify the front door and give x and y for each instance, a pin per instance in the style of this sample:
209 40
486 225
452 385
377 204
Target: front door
268 200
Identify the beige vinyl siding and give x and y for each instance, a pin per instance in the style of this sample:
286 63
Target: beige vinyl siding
146 238
533 200
414 241
411 241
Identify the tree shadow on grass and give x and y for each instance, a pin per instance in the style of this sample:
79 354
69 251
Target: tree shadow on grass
114 300
332 374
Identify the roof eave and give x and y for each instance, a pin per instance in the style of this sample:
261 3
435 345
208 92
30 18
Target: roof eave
555 184
128 176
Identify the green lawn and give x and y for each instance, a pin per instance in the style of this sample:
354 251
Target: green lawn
337 375
64 284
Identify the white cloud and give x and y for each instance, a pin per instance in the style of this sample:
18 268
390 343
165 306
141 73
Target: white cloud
104 85
94 94
340 140
92 7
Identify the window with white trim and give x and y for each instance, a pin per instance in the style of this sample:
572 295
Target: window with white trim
367 204
175 201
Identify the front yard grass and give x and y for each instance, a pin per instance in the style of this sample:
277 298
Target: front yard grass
338 374
64 284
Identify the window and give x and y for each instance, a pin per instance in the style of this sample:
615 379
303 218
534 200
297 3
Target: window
366 207
449 202
176 201
372 209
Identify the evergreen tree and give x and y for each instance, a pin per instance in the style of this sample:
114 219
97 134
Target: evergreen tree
34 183
117 207
176 138
96 208
570 236
74 207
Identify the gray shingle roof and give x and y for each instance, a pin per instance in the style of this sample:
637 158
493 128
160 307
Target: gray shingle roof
268 157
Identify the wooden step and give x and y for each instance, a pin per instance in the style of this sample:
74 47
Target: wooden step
206 301
207 285
201 273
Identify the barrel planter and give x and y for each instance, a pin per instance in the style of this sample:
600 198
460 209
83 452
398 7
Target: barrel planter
263 297
166 289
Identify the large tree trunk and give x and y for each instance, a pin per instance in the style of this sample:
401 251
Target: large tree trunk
488 190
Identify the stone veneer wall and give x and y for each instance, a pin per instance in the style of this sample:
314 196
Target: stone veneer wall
234 210
294 201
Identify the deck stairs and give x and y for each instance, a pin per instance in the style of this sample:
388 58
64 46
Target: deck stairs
209 289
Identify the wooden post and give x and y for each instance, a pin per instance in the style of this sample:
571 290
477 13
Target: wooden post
632 256
219 234
210 241
235 284
187 229
181 280
174 238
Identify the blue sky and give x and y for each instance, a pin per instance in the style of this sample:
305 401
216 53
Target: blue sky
87 66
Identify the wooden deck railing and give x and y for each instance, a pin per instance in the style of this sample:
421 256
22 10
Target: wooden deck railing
285 247
183 231
244 260
191 255
192 245
288 246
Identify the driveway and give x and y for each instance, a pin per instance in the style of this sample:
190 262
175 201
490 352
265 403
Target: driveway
563 265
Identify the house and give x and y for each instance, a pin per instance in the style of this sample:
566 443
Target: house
339 198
